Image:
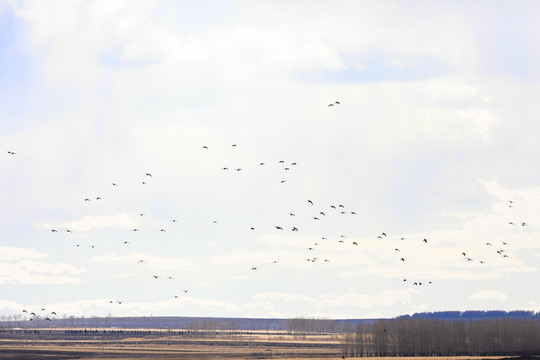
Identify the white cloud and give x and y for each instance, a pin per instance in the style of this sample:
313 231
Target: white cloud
88 223
350 298
150 261
23 265
18 253
488 295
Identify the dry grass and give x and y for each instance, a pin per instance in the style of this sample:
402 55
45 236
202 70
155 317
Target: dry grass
256 345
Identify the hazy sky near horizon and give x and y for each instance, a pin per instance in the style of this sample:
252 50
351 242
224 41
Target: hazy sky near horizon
436 137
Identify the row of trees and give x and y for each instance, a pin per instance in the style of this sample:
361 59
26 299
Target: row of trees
436 337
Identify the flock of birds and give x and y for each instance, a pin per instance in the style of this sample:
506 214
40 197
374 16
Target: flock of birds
311 209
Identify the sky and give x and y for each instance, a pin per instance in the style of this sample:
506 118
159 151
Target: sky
417 190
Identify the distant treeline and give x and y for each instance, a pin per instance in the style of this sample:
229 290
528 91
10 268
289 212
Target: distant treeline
473 314
297 325
417 336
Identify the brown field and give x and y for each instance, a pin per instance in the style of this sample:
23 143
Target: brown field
56 344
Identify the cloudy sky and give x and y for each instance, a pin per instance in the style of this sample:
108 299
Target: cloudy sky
435 136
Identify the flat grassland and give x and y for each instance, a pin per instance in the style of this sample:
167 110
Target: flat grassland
163 344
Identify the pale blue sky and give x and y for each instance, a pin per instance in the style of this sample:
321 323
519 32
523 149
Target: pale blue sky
436 132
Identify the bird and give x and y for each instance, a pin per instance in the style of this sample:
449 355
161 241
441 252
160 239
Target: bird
225 168
143 182
322 213
205 147
87 199
278 227
126 242
402 259
281 162
155 276
98 198
68 231
114 184
425 240
54 230
140 261
316 218
311 202
338 103
252 228
291 214
233 145
53 313
135 230
162 230
261 163
331 105
148 174
253 268
355 243
11 152
294 228
282 181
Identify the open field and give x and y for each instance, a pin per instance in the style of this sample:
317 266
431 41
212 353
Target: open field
163 344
